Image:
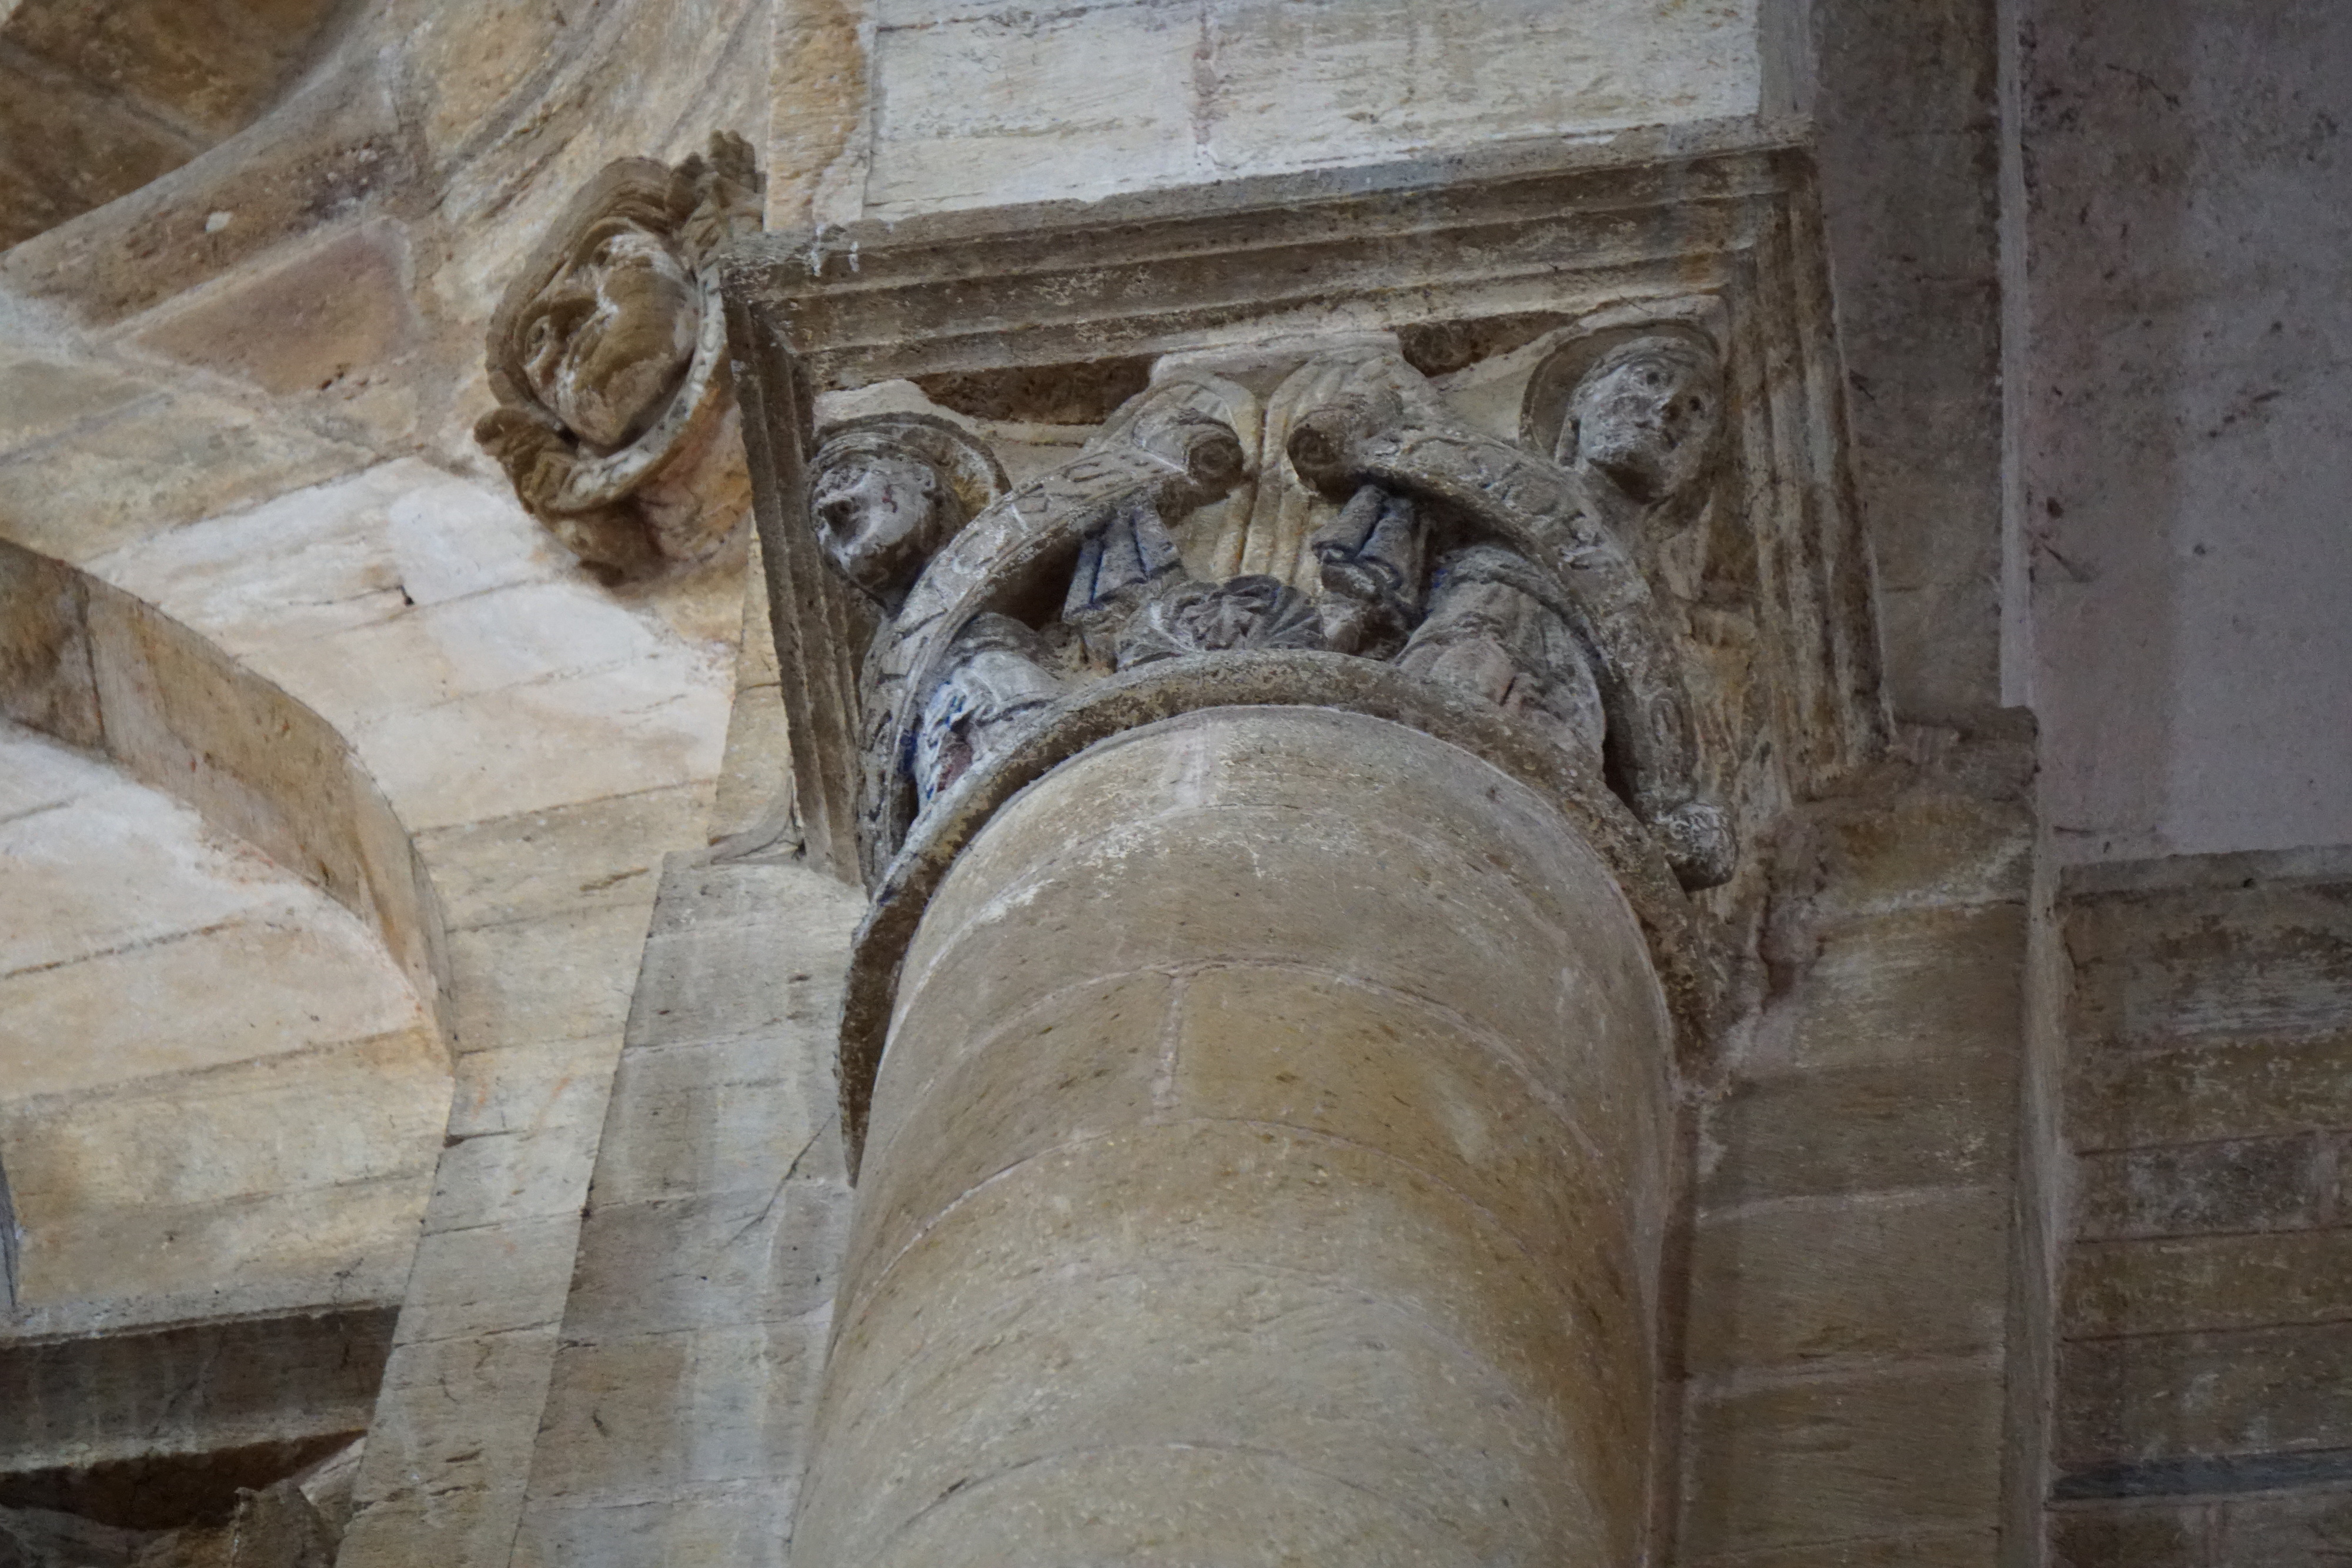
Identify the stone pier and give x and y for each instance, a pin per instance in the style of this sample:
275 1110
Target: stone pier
1267 1165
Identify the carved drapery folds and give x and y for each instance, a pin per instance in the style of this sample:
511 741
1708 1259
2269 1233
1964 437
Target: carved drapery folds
1565 453
1464 559
608 357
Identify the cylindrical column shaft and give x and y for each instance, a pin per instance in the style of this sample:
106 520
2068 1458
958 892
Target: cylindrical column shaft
1265 1167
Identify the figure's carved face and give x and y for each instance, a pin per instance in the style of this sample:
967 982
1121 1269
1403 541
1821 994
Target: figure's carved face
1645 415
879 516
606 343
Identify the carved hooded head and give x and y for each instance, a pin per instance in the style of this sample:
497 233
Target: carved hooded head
887 490
1640 406
605 360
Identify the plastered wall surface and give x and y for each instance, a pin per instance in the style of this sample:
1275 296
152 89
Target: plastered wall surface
977 105
2189 361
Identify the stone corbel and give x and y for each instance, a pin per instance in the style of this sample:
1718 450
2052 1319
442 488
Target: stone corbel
615 418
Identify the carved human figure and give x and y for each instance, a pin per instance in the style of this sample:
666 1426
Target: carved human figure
996 681
1495 631
887 490
608 362
1133 602
607 340
1634 410
1120 566
1387 428
1370 558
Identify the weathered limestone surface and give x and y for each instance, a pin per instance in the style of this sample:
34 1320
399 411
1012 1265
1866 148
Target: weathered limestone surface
219 1096
309 312
1268 1161
1847 1335
2201 1414
979 105
682 1388
2182 363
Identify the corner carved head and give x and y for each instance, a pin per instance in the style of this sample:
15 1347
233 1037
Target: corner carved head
887 491
1638 407
607 357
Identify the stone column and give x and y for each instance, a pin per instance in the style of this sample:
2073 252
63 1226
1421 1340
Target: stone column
1266 1165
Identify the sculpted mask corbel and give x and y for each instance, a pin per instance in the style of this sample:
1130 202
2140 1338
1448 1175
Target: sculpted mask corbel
615 416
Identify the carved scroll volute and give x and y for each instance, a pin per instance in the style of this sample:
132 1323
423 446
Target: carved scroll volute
1168 451
1386 427
616 420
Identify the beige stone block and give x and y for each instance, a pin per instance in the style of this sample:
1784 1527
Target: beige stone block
1266 884
1809 1280
1199 1242
2252 1184
315 1118
242 988
1871 1454
2203 1092
488 1279
1923 848
736 1525
338 312
2190 1283
953 1111
66 146
721 1116
335 142
92 1269
201 1388
1965 1549
1096 100
40 773
46 680
1278 1047
519 1088
490 1177
2132 1535
1344 82
661 1415
462 1527
558 977
151 466
1932 1123
1339 1387
1168 1506
709 1259
617 1418
1918 983
2257 1390
439 653
457 1415
557 742
777 970
2157 967
39 397
604 853
209 67
111 863
2307 1531
755 779
329 557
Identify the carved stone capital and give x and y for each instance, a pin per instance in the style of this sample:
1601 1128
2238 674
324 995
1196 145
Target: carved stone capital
608 357
1600 501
